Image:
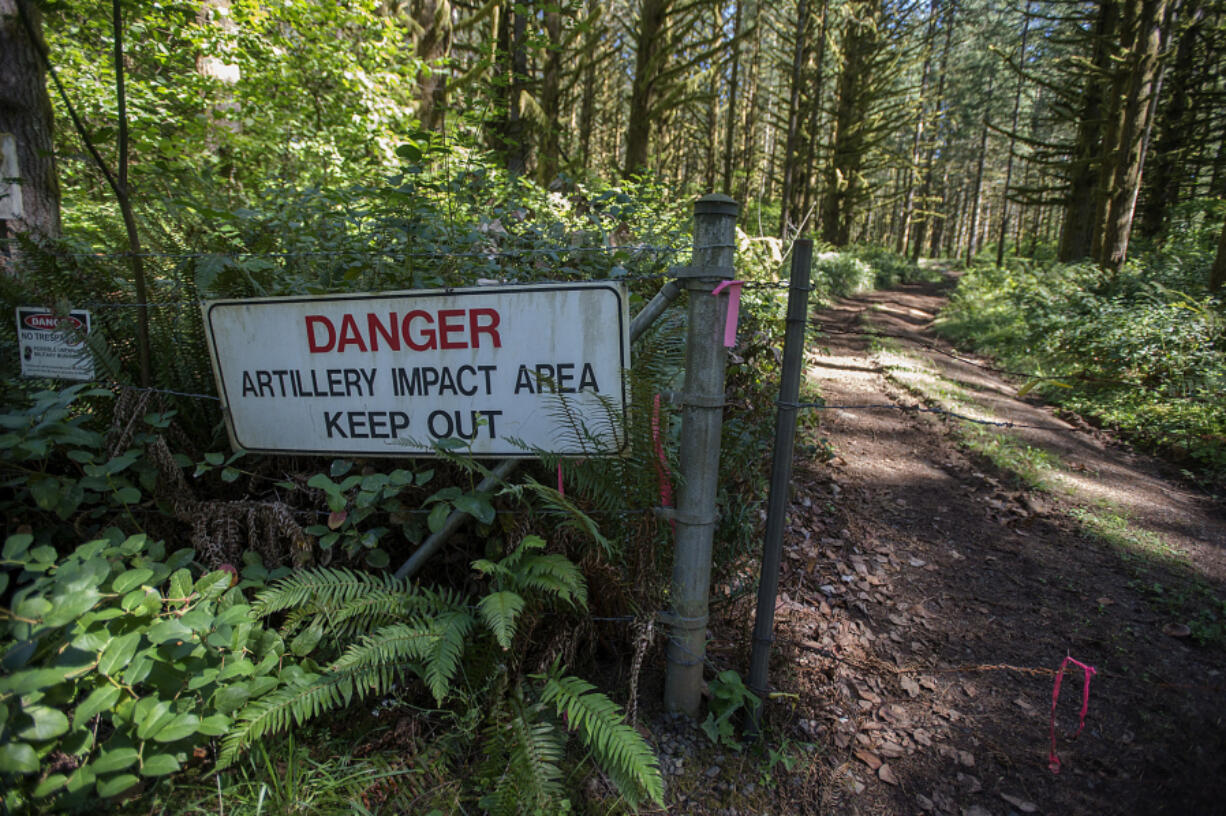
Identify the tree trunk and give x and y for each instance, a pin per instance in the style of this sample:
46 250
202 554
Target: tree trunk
972 235
647 57
733 87
1017 102
790 159
1077 228
25 112
1139 105
433 18
1217 275
549 154
843 179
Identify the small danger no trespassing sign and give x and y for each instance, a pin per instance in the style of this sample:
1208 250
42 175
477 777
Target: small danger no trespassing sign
54 345
494 371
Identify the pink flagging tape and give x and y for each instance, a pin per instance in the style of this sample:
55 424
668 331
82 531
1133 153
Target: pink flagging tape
1053 760
662 472
561 489
734 309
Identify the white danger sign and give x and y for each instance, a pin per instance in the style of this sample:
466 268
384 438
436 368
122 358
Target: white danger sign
53 345
493 371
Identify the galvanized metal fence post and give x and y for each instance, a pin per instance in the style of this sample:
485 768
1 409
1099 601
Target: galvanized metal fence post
781 472
701 420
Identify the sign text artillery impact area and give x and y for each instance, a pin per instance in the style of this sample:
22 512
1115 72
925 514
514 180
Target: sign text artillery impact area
494 371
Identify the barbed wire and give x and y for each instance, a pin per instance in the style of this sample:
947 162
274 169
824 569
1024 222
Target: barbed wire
918 409
374 252
1027 375
492 286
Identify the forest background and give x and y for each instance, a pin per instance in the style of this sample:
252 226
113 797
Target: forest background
1070 155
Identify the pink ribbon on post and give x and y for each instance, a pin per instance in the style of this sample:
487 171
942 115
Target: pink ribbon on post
734 309
662 473
1053 761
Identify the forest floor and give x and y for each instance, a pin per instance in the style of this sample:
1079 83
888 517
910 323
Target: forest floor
936 574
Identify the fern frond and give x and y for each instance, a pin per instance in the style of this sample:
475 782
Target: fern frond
556 505
370 666
619 750
443 660
376 608
323 589
390 644
528 750
555 574
499 611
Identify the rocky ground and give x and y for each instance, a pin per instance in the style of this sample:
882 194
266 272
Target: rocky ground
936 574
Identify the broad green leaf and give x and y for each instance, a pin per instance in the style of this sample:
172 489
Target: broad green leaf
237 668
214 725
45 492
180 585
239 613
117 653
306 640
72 605
170 629
48 723
50 785
231 698
476 505
16 546
82 778
116 785
17 758
128 494
183 725
156 718
213 585
101 699
115 759
139 668
438 516
159 765
131 579
24 682
198 620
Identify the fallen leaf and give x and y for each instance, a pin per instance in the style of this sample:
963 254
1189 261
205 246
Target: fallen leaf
1020 804
1104 601
892 750
966 758
909 685
869 758
1176 630
886 775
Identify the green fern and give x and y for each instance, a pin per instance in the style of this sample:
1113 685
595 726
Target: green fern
618 749
523 754
370 666
499 611
443 661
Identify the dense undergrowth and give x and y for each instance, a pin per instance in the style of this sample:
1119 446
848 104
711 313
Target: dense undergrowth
1142 352
169 605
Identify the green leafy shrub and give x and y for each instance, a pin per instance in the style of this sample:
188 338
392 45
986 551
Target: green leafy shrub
116 662
1131 349
382 628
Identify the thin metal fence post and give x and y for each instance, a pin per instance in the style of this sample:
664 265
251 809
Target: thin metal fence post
781 473
701 420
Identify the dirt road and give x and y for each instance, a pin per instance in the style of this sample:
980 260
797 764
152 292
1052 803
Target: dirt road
937 572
